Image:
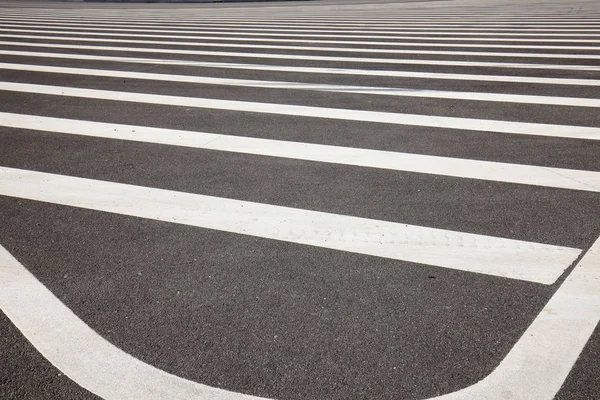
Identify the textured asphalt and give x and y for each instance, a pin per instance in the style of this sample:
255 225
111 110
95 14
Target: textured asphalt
276 319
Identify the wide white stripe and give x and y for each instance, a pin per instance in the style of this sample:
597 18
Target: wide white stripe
309 48
196 28
539 363
82 29
535 368
438 247
351 25
446 166
472 124
373 60
313 70
80 353
372 90
220 38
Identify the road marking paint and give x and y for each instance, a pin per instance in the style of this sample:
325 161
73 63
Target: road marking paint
470 124
218 38
446 166
515 259
80 353
82 28
569 56
535 368
314 70
399 61
539 363
371 90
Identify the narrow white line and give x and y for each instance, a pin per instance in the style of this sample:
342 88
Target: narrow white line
535 368
219 38
312 70
82 29
307 48
371 90
489 255
471 124
445 166
539 363
398 61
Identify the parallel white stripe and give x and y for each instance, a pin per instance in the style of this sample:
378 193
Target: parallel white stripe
196 28
372 90
373 60
308 48
349 25
535 368
313 70
471 124
502 257
218 38
82 30
446 166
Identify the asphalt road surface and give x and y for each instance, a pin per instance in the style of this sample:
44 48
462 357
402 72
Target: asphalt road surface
300 200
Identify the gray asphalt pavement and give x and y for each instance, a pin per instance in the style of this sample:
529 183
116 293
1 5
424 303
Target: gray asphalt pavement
300 200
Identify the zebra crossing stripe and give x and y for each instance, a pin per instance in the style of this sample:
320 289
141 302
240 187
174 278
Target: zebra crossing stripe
371 90
445 166
470 124
398 61
569 56
313 70
81 29
494 256
218 38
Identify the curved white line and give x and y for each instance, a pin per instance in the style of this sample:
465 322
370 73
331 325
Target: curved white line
535 368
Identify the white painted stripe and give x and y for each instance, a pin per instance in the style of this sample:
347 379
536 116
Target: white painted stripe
371 90
445 166
80 353
313 70
82 29
197 28
535 368
352 25
539 363
502 257
219 38
398 61
471 124
309 48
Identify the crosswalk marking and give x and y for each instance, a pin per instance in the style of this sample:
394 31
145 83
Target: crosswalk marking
443 248
313 70
374 60
83 29
470 124
458 58
220 38
253 36
460 168
365 50
372 90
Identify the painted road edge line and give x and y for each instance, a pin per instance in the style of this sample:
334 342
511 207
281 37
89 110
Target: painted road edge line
420 163
502 257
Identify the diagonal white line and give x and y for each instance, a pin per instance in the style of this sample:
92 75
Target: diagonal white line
569 56
372 90
313 70
446 166
521 128
502 257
